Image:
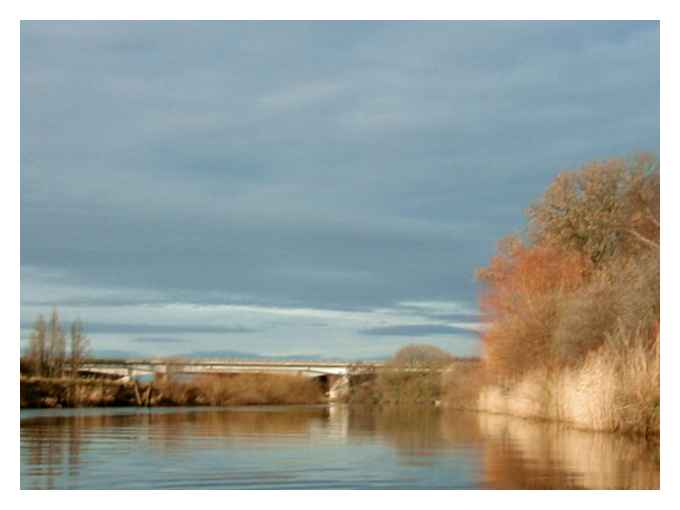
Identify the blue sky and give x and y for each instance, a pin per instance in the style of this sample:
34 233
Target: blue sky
303 188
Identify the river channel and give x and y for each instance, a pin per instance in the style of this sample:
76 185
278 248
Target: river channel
321 447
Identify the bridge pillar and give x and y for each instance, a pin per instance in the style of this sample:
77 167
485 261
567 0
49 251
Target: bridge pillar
339 390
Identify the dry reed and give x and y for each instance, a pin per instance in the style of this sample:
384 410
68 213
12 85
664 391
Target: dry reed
616 388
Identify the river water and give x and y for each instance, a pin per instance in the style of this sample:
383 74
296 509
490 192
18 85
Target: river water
320 447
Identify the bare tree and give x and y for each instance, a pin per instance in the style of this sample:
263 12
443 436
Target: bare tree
37 351
56 344
80 345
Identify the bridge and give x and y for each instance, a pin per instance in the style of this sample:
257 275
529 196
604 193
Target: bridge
335 376
130 368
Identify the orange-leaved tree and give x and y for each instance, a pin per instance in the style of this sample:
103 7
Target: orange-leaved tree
523 286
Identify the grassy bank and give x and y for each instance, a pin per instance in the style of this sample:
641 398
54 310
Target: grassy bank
615 388
611 390
209 390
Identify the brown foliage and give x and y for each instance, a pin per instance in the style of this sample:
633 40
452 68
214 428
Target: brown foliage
624 297
399 387
583 294
524 287
214 390
240 389
412 376
592 263
462 383
603 210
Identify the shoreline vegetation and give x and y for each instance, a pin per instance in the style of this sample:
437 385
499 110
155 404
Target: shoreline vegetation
207 390
571 312
572 306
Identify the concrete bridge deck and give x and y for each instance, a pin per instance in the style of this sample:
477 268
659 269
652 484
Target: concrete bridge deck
137 367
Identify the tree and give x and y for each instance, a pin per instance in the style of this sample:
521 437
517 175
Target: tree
643 202
420 356
523 287
602 210
56 346
79 346
519 276
590 267
37 351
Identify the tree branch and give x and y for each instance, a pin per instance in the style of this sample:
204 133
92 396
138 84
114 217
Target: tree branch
642 238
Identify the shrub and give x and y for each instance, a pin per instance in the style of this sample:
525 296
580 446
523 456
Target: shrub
412 375
462 383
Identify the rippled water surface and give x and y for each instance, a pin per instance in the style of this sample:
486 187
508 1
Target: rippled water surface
319 448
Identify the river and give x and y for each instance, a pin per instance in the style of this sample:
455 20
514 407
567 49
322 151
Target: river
320 447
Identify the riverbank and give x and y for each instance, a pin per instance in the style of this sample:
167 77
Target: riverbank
212 390
613 390
572 305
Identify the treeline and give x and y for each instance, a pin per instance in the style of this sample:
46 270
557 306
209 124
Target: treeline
47 354
577 298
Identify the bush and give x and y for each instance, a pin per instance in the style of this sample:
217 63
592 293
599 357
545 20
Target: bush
420 356
412 375
462 383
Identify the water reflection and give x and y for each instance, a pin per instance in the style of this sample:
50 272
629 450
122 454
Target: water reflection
527 454
321 447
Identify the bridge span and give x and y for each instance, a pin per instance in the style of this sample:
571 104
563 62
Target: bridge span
130 368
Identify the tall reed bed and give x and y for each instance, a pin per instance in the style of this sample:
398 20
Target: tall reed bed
615 388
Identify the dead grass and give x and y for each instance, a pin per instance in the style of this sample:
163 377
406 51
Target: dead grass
240 389
616 388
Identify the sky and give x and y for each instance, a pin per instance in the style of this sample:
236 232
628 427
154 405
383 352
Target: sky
303 188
